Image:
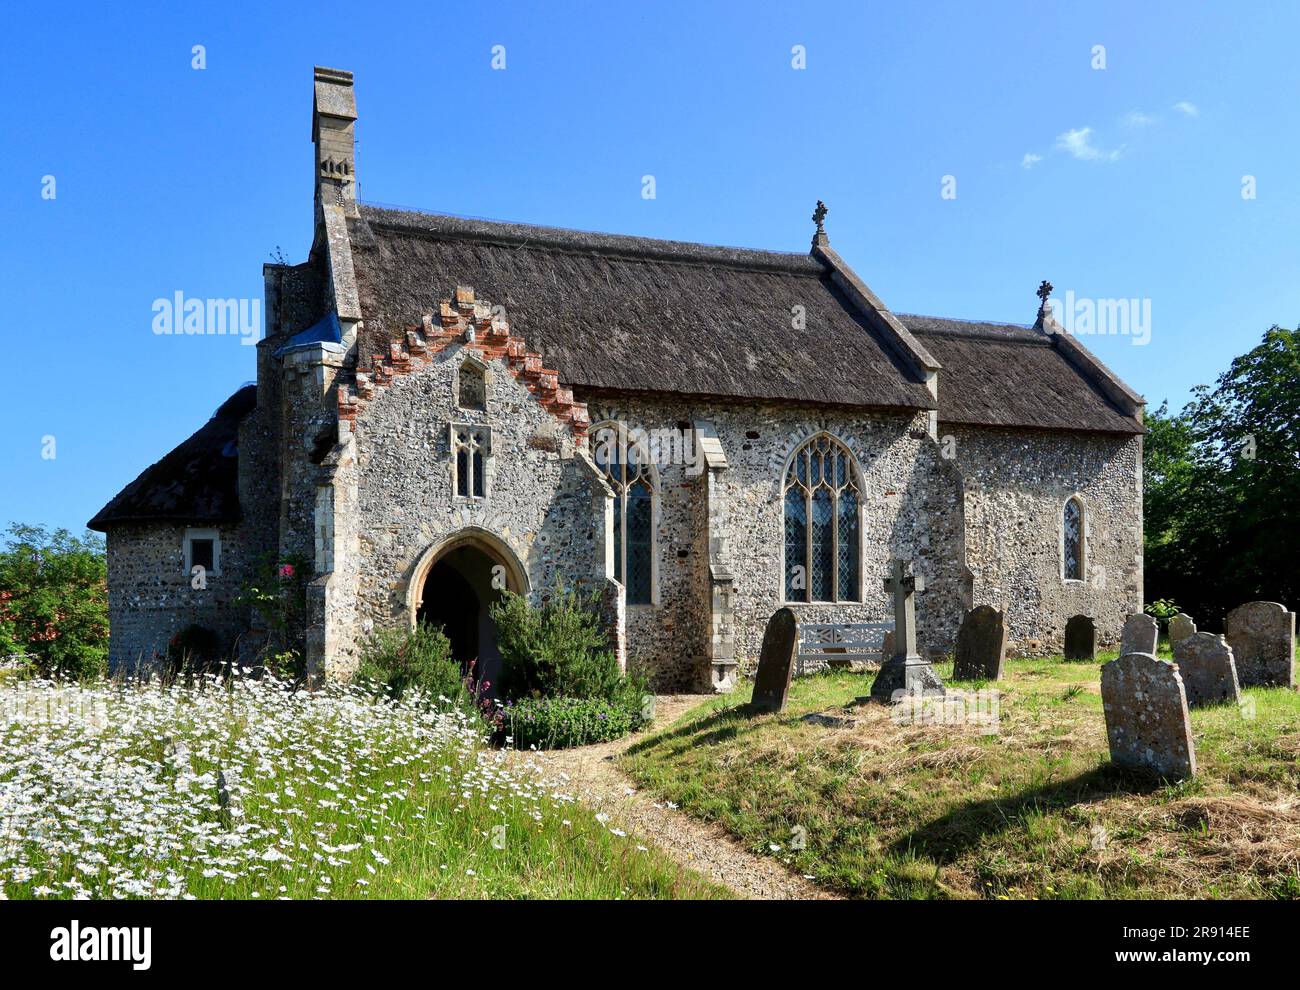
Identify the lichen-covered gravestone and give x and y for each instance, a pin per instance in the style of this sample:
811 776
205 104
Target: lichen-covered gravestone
1080 638
1262 637
981 645
1139 634
1206 665
1180 627
1147 723
775 662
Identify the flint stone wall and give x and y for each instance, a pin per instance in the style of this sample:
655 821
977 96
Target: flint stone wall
1016 486
150 598
545 503
911 500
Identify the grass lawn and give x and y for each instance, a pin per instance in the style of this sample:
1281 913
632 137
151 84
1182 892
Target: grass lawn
1033 810
110 792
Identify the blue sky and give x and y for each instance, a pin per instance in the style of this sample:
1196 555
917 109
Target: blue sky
174 179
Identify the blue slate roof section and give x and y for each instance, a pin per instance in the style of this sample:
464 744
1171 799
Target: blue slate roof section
325 331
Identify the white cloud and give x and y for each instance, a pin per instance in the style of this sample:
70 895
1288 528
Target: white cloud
1136 118
1189 109
1030 160
1078 144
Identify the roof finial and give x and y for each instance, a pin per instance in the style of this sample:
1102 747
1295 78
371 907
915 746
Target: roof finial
818 216
1044 307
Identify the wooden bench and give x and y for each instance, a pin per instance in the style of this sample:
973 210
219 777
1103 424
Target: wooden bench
836 644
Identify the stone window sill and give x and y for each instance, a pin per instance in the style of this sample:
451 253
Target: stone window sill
842 601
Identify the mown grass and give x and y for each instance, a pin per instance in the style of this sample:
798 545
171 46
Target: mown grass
1035 810
108 791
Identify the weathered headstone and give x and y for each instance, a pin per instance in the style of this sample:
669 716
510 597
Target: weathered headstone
1262 637
1180 627
906 672
1209 672
1147 723
1139 634
1080 638
775 662
981 645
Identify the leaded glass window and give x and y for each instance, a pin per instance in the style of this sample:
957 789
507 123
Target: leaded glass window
627 466
823 540
1072 540
470 448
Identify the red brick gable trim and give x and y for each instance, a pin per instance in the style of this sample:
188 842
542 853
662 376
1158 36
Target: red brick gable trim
491 341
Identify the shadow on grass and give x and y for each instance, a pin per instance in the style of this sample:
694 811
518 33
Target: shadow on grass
945 839
722 726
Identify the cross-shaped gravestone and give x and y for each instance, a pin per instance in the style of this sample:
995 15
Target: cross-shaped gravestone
906 672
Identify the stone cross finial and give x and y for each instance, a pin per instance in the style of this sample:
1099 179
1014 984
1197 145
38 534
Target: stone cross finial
819 215
1044 290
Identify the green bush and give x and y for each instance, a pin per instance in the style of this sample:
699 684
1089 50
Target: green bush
395 660
54 601
555 650
554 723
1162 610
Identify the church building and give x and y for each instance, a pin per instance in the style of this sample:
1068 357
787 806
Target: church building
447 408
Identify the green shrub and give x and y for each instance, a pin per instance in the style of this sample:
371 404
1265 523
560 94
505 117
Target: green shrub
554 723
557 649
1162 610
396 660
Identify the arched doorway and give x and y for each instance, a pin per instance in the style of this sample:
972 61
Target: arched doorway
454 584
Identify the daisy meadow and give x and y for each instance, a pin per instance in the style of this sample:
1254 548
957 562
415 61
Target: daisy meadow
243 788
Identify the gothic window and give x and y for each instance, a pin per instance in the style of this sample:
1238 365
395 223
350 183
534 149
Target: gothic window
472 386
823 545
470 447
1072 540
626 464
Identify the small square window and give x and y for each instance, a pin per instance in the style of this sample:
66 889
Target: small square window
202 549
201 554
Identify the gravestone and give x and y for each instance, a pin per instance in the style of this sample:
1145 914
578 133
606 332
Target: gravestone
1139 634
1080 638
1180 627
1262 637
1209 672
1147 723
775 662
906 672
981 645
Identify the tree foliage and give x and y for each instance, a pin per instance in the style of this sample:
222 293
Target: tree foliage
1222 481
54 600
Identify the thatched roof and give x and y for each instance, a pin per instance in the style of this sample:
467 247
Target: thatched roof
1001 374
196 483
631 314
634 314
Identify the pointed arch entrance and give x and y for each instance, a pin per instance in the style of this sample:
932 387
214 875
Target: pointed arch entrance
453 585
